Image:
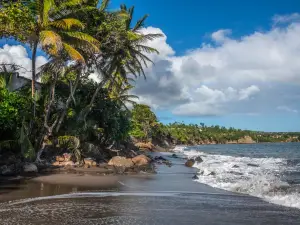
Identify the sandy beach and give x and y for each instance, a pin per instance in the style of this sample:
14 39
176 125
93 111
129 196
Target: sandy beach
169 197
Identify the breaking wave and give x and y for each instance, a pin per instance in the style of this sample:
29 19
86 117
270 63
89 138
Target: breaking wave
266 178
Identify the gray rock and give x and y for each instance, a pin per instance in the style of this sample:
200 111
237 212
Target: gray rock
7 170
198 159
30 168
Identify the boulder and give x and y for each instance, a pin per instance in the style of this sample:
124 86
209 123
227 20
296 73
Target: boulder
198 159
141 160
147 145
56 163
7 170
174 156
190 163
119 161
30 168
90 162
69 163
59 159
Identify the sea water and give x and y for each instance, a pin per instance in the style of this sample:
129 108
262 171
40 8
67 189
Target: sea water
270 171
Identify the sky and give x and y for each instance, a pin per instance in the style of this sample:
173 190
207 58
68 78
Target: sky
222 62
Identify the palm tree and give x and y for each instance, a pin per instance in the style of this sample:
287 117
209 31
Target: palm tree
127 57
49 27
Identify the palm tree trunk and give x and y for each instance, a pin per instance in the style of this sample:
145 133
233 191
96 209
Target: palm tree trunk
48 129
89 107
66 107
33 69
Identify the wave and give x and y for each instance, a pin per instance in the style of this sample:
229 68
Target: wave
259 177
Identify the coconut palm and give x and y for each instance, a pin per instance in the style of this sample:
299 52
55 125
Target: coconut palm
49 27
127 58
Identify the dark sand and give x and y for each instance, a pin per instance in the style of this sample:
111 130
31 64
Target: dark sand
170 197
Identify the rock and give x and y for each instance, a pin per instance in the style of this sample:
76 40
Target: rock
198 159
69 163
142 145
141 160
174 156
235 166
252 165
120 169
56 163
119 161
7 170
246 140
86 166
195 177
30 168
212 173
90 162
59 159
160 158
190 163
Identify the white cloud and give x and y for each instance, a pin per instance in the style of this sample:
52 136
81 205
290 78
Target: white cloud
221 35
18 55
277 19
238 75
287 109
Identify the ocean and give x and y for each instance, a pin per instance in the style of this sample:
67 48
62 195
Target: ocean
270 171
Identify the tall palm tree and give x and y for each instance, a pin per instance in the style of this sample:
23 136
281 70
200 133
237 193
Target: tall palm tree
127 57
49 27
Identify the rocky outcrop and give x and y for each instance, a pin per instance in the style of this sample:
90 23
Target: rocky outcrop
246 140
141 160
198 159
119 161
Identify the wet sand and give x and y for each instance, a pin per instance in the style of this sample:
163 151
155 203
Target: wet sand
170 197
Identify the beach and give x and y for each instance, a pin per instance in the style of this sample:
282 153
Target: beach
169 197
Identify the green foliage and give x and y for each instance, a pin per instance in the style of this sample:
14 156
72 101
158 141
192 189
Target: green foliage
144 122
13 108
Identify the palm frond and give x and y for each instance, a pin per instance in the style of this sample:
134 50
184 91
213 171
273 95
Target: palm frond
45 6
73 53
82 36
104 5
51 42
140 23
147 49
67 24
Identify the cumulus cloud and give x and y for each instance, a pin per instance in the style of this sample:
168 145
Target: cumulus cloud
17 54
277 19
221 35
238 75
250 74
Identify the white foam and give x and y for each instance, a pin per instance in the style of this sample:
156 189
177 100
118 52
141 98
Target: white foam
179 148
258 177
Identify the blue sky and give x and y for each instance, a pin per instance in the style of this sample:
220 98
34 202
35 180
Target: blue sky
229 63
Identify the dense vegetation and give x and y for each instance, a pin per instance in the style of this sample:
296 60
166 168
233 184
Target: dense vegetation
83 38
146 126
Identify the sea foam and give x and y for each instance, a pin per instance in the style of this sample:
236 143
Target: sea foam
259 177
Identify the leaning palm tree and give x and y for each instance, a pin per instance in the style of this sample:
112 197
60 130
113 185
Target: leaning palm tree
126 57
48 26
